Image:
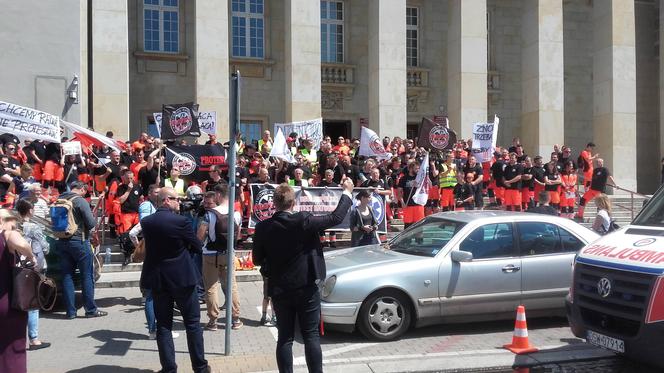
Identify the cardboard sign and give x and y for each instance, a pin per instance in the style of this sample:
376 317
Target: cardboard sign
71 148
207 122
484 140
307 129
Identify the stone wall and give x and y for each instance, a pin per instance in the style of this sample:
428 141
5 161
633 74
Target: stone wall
647 99
505 60
578 46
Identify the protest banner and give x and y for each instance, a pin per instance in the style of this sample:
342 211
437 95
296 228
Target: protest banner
484 139
207 122
423 183
371 145
71 148
308 129
317 201
194 161
280 148
179 120
29 123
435 137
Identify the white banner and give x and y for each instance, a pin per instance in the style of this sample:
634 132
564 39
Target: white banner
71 148
371 145
280 148
484 139
28 123
307 129
423 182
207 122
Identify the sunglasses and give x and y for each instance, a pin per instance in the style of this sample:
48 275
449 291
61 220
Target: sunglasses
173 198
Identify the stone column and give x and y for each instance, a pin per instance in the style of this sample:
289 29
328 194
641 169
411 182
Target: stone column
467 65
542 116
110 65
302 60
212 74
614 88
387 67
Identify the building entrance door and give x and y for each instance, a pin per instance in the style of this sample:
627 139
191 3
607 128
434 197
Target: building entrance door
336 128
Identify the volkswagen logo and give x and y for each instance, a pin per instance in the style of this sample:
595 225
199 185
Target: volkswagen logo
604 287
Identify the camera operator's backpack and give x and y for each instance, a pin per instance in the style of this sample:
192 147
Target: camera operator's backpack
62 218
220 233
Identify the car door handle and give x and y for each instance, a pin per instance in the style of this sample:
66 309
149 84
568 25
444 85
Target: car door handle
511 268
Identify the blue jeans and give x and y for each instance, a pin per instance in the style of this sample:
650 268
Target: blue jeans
76 253
33 324
149 311
187 301
303 305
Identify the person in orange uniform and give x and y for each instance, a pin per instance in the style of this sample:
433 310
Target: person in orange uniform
129 196
412 212
568 190
527 185
552 183
586 164
512 181
601 175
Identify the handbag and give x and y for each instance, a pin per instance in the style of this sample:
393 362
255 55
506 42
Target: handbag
32 290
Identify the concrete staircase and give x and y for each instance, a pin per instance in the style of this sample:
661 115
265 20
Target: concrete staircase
114 274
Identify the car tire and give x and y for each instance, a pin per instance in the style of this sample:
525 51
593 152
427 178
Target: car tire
385 315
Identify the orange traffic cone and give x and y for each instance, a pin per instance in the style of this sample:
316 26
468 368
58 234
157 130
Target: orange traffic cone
520 344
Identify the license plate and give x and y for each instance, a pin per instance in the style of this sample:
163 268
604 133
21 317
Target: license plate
607 342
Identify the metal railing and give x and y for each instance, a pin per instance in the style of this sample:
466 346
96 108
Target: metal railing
631 208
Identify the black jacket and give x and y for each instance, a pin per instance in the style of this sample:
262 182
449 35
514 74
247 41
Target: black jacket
288 247
169 239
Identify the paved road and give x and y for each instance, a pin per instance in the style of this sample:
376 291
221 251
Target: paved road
118 343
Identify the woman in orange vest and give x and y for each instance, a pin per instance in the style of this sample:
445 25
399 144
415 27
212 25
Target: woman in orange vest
568 190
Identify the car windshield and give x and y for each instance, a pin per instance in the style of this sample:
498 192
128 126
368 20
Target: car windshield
653 212
426 238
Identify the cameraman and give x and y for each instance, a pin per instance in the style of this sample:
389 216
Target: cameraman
215 264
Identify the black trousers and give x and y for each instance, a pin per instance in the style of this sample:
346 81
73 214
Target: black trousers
302 305
190 308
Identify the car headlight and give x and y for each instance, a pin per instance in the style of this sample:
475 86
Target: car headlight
328 286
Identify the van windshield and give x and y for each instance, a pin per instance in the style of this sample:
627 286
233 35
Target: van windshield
653 212
426 238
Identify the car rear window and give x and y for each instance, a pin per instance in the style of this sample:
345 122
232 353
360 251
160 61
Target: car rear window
426 238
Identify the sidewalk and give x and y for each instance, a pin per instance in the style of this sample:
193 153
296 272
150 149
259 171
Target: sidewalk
118 343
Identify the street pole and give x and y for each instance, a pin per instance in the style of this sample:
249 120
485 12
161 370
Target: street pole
234 128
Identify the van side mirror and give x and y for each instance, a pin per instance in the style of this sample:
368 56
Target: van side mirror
462 256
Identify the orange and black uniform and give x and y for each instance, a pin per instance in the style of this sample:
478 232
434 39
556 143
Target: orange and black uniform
128 216
477 172
497 185
554 189
527 189
597 186
512 190
39 148
412 212
587 167
538 174
568 192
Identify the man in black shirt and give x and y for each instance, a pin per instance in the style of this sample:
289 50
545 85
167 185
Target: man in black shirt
328 181
598 185
129 195
512 180
412 212
36 153
476 169
544 207
350 170
497 169
149 174
467 193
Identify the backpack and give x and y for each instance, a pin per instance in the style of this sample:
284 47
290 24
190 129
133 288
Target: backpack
62 218
220 233
613 226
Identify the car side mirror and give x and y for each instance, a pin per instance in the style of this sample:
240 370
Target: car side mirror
462 256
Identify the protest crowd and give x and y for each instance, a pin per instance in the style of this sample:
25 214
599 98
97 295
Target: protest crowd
128 181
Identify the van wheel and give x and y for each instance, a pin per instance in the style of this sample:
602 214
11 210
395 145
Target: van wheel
385 316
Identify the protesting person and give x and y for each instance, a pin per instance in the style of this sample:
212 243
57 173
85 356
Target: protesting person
12 322
568 190
600 177
478 176
586 163
363 223
171 274
552 183
544 207
129 196
412 212
287 245
466 198
512 180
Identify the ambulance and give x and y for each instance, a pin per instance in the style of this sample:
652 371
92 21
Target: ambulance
616 300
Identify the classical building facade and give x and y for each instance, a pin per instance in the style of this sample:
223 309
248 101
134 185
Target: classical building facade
554 71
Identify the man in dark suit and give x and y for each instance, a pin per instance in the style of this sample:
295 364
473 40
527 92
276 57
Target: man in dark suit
171 274
289 250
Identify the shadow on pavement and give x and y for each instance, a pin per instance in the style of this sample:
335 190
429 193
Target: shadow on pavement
118 301
109 369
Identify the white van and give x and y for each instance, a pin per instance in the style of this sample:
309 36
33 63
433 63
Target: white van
617 296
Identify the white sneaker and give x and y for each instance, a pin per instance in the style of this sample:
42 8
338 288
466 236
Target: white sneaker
152 336
175 334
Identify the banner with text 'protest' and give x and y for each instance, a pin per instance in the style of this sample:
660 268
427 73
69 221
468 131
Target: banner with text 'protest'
28 123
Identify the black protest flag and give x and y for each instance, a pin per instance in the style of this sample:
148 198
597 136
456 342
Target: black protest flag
435 137
195 161
179 120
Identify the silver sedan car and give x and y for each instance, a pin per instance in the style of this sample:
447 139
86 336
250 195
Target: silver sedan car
453 267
